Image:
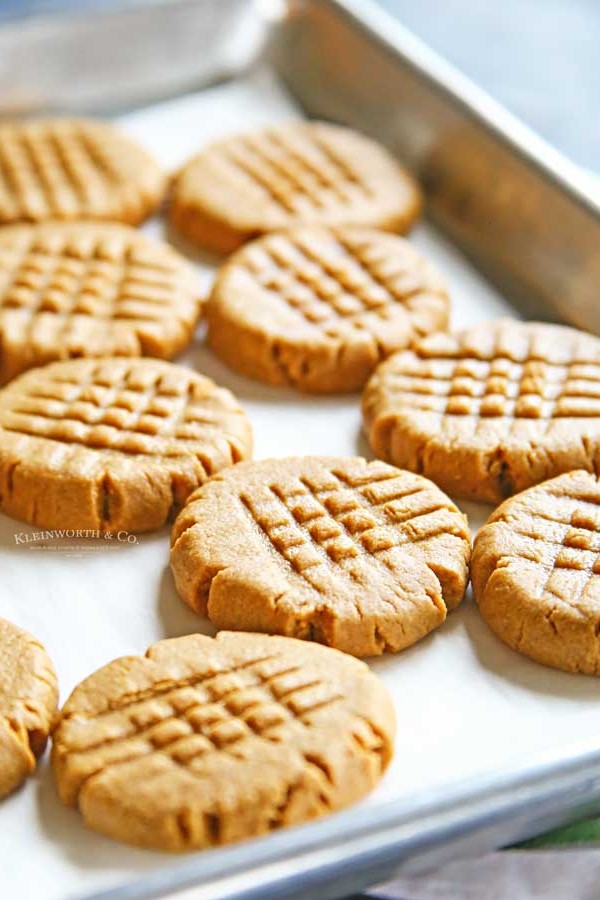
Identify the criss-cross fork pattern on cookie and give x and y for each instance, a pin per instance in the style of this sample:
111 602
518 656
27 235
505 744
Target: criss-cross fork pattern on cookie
70 169
106 274
564 542
265 698
299 171
355 555
496 388
140 407
333 280
348 524
536 572
72 290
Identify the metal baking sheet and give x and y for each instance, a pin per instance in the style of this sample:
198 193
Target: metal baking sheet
466 705
491 747
520 210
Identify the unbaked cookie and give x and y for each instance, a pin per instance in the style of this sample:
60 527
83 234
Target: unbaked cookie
75 169
205 741
318 308
491 410
298 173
28 698
113 444
354 554
536 572
84 289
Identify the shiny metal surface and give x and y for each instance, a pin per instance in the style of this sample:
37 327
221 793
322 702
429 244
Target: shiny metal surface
336 857
519 209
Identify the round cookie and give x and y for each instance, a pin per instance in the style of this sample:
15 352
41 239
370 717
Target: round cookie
318 308
75 169
491 410
28 699
536 572
354 554
86 289
204 741
113 444
298 173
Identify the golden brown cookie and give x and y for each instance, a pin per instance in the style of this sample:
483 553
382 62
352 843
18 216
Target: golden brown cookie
85 289
75 169
28 698
113 444
294 174
354 554
204 741
536 572
319 308
491 410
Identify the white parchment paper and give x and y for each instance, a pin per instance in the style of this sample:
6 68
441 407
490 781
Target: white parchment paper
465 703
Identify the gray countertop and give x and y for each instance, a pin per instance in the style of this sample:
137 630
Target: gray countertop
540 58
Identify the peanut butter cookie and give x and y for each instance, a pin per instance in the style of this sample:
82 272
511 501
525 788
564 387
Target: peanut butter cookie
81 289
75 169
354 554
536 572
319 308
28 698
299 173
204 741
112 444
491 410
